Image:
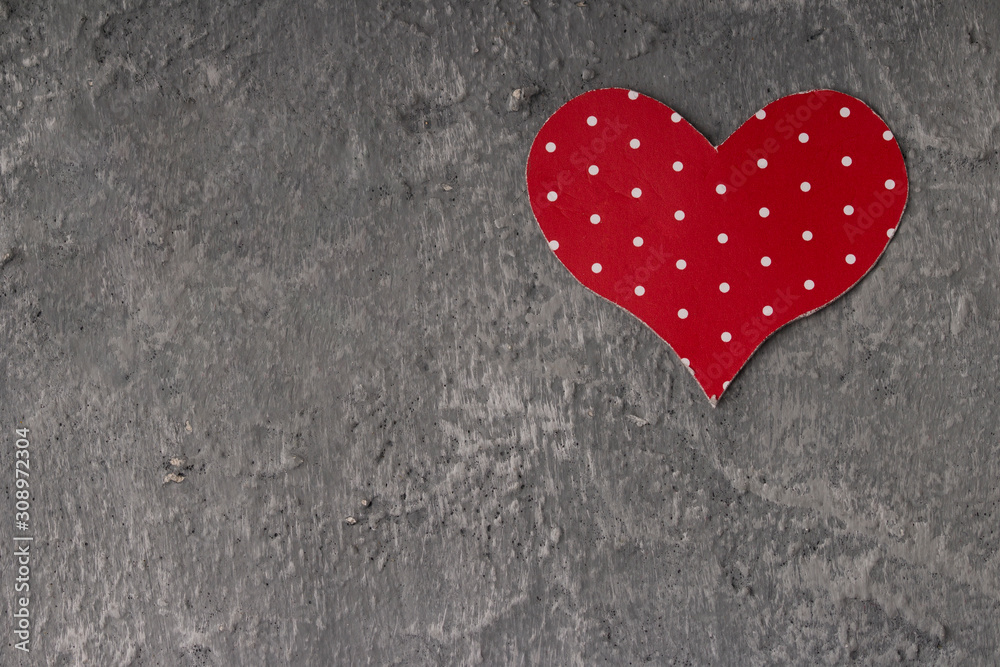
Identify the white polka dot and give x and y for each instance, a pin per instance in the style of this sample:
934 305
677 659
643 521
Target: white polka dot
846 161
553 196
723 238
637 241
805 187
554 245
592 170
762 163
765 261
723 287
678 215
848 210
678 165
803 138
596 268
768 311
720 188
681 264
850 259
845 112
809 284
676 117
890 232
640 290
726 336
550 147
725 385
686 361
887 135
632 95
807 235
764 212
634 143
594 219
890 184
636 192
682 313
592 121
761 114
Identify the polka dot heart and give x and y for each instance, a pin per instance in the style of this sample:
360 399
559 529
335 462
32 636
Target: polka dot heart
714 248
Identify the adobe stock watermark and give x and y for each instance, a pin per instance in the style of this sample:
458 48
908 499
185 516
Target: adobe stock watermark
787 126
22 541
656 259
581 159
752 333
863 220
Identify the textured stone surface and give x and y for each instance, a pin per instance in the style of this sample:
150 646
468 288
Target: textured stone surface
276 269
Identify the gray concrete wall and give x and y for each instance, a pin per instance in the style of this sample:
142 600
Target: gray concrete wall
281 252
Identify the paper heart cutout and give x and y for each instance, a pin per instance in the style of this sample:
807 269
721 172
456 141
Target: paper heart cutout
715 249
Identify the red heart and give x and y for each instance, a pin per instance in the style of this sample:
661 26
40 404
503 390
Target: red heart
717 248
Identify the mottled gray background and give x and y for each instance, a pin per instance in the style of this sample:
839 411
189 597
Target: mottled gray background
281 251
